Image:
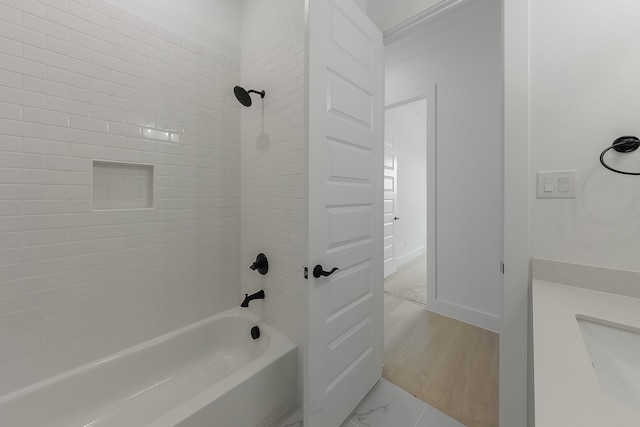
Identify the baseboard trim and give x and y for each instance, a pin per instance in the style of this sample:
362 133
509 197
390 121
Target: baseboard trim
408 257
465 314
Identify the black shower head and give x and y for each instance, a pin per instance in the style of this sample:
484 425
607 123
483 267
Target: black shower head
243 96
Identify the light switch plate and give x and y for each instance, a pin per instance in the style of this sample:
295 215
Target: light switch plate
557 184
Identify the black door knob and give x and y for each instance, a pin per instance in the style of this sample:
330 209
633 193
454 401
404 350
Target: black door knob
396 218
319 271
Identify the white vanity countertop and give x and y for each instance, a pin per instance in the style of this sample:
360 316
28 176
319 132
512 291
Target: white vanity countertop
567 393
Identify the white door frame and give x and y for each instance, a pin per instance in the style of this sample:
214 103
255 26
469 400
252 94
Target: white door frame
389 195
516 378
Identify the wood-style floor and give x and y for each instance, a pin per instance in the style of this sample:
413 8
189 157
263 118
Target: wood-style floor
449 364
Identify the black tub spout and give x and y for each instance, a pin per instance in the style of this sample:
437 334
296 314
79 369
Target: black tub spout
248 298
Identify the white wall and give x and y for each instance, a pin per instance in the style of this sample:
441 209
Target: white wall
580 76
460 51
408 125
81 82
212 23
273 162
583 94
263 22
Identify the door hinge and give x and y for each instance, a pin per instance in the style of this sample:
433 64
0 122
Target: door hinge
306 273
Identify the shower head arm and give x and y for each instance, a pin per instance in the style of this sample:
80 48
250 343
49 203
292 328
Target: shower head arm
261 93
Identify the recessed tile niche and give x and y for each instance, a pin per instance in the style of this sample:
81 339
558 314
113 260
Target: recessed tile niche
118 185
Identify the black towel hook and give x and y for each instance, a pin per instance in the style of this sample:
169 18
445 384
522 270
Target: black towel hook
624 144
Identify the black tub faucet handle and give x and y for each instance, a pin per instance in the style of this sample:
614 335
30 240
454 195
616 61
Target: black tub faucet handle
261 264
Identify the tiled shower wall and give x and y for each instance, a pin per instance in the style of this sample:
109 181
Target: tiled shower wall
273 175
82 80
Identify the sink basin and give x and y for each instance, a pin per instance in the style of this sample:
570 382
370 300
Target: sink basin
615 355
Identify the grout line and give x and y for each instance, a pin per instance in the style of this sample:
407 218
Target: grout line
424 408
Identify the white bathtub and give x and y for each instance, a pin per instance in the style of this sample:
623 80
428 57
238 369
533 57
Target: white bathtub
211 373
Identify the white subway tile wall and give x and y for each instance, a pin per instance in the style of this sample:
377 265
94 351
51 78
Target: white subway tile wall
83 80
274 178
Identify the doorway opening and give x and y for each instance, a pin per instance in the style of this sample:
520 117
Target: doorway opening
445 352
405 201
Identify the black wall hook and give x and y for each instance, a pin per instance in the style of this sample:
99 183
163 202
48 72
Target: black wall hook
624 144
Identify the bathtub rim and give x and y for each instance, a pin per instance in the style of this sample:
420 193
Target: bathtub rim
277 341
279 346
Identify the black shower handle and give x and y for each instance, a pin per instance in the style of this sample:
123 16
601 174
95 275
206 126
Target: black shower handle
319 271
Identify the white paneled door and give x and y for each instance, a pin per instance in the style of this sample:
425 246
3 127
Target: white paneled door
344 349
390 203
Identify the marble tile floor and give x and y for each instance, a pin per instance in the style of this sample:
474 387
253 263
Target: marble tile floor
387 405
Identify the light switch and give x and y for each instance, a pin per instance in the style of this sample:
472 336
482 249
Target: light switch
563 184
548 185
557 184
